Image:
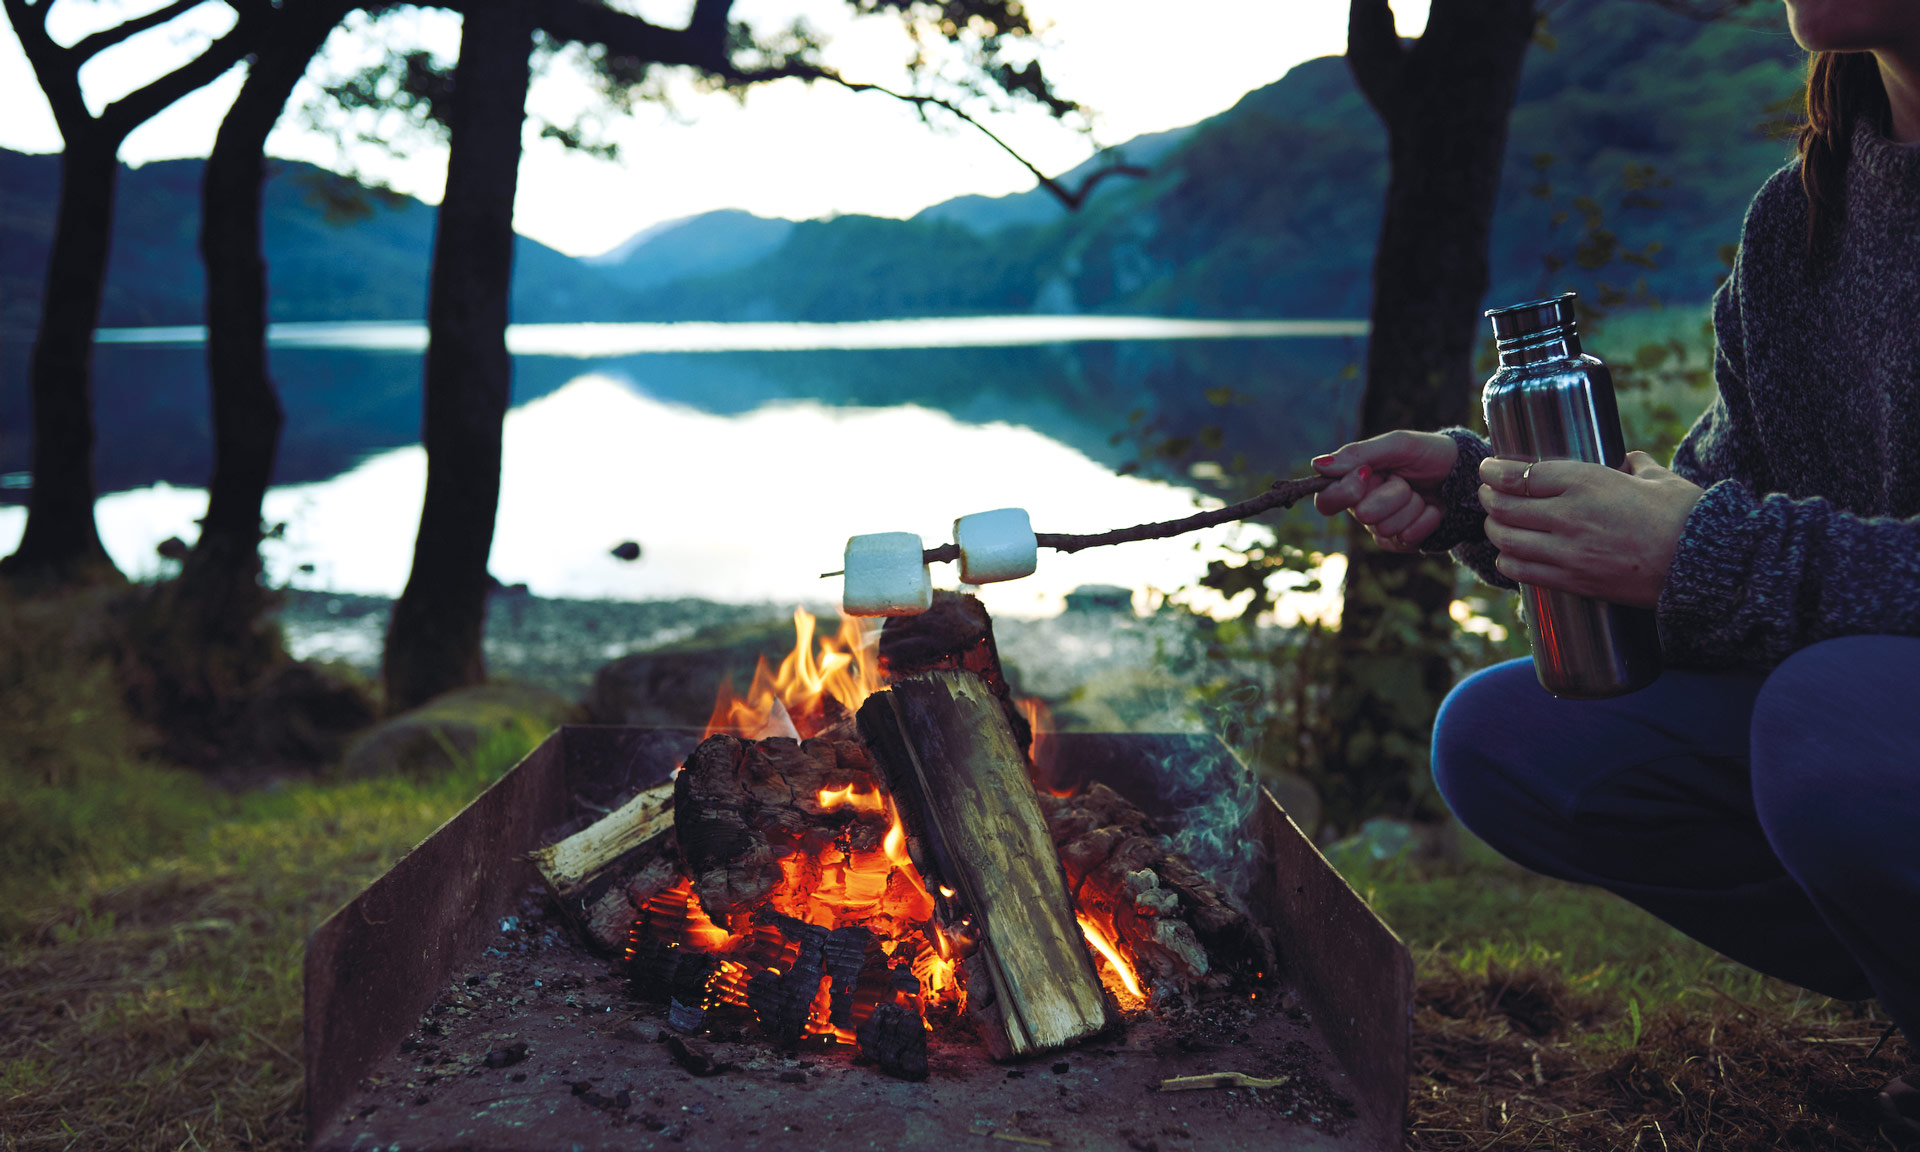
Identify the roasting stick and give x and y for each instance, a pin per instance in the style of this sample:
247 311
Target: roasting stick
1283 494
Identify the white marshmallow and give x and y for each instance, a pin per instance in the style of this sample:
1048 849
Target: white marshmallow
997 545
885 576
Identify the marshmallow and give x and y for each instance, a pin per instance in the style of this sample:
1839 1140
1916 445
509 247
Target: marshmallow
997 545
885 576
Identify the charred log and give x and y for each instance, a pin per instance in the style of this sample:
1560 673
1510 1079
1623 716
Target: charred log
1183 932
955 634
782 1001
741 808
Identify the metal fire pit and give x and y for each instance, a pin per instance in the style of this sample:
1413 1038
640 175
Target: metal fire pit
454 932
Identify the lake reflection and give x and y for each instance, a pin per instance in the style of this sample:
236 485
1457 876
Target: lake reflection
738 508
739 456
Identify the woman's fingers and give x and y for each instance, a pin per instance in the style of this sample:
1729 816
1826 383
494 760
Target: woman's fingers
1516 511
1347 491
1401 520
1524 543
1390 496
1531 480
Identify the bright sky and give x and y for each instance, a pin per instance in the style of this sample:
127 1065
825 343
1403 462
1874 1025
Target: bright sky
787 151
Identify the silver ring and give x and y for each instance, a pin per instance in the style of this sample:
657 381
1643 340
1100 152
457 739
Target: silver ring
1526 480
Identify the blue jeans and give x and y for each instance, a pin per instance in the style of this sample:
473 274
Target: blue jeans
1773 816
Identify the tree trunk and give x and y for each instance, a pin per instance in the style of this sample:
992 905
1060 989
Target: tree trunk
220 585
61 542
1445 101
433 644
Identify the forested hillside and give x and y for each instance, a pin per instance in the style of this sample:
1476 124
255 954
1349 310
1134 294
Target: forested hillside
1271 208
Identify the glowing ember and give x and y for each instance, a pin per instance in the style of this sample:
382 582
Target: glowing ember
1105 947
814 687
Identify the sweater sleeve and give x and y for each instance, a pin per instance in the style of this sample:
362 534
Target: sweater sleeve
1759 574
1463 530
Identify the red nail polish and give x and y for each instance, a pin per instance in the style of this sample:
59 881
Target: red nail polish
1365 471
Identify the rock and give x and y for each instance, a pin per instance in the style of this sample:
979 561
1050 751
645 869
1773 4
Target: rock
445 731
1101 598
303 715
674 686
626 550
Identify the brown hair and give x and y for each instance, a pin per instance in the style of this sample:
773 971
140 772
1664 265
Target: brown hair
1842 87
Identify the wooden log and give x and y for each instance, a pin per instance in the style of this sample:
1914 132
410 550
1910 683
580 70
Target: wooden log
1183 933
974 829
604 874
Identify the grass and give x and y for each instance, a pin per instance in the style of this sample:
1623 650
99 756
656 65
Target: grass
1551 1016
152 925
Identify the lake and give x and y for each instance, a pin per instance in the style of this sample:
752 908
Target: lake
738 456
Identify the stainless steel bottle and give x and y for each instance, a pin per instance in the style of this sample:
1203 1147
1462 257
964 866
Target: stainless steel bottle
1548 401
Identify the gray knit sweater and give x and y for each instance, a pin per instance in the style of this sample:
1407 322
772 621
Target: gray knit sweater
1810 454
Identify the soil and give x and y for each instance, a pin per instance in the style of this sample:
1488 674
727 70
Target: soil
542 1043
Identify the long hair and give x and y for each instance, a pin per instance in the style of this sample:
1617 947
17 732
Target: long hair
1842 87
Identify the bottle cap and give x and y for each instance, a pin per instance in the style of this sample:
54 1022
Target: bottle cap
1518 321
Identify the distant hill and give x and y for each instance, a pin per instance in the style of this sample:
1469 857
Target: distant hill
334 251
1272 207
703 245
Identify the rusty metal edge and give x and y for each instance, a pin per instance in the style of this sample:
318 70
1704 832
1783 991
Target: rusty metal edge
377 963
1353 972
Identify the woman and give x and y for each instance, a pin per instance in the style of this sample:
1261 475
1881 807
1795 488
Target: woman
1764 794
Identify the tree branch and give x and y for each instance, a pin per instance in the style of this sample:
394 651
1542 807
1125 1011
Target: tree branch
57 73
1283 494
702 44
1071 198
91 46
143 104
1374 52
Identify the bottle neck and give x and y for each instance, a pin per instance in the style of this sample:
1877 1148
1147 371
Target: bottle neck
1559 342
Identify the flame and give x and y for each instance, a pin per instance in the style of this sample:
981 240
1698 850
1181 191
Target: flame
1111 954
1040 753
843 670
868 800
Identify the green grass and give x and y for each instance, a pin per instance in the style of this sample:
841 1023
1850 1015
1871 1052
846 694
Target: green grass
152 926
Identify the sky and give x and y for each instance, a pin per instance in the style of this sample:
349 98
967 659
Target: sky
786 150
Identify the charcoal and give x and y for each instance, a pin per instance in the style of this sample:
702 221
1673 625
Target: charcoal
782 1001
843 957
895 1038
694 1058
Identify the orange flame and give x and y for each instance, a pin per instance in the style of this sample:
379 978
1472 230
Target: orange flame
843 670
1040 752
862 801
1114 960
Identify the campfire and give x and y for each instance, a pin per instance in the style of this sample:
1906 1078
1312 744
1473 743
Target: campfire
856 853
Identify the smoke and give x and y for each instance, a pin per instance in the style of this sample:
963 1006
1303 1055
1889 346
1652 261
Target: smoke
1211 796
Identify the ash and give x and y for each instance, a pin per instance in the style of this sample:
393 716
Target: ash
540 1046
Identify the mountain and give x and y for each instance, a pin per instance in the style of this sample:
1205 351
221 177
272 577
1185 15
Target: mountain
335 251
1272 207
703 245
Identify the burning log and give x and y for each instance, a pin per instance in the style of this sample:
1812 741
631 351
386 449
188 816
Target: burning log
955 634
974 829
603 875
1180 928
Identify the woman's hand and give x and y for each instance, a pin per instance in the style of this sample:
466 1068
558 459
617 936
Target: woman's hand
1587 528
1391 484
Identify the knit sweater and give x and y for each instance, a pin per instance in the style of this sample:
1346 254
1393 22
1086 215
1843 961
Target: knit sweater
1810 454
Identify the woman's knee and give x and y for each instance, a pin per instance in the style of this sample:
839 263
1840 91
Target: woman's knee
1479 738
1836 742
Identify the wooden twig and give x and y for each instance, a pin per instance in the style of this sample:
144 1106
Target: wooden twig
1283 494
1219 1080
